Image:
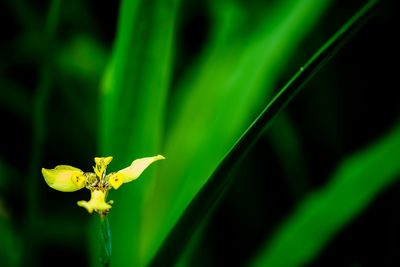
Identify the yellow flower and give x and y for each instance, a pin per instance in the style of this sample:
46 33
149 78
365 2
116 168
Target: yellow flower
69 179
96 202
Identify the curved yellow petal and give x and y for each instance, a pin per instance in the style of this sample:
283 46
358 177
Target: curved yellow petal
101 165
64 178
66 167
96 203
137 167
103 160
116 179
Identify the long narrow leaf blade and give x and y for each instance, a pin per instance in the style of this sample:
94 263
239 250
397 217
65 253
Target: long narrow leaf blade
222 95
133 100
202 205
353 186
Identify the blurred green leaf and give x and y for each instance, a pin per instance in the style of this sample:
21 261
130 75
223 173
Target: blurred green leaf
82 57
25 12
195 121
15 99
207 198
133 99
283 138
355 183
10 248
219 98
38 113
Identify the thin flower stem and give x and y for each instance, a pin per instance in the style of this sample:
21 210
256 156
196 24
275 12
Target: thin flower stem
105 233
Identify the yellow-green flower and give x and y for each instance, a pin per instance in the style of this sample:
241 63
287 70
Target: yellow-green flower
69 179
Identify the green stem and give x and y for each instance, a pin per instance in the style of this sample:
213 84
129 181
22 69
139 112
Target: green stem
105 234
40 100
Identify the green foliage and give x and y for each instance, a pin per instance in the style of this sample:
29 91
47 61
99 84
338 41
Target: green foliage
355 183
196 82
10 247
207 199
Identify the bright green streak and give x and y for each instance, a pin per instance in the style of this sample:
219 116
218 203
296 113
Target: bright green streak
317 219
352 187
133 97
230 83
223 91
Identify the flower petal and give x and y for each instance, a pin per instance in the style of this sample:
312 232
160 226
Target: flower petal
96 203
103 161
64 178
137 167
116 179
101 165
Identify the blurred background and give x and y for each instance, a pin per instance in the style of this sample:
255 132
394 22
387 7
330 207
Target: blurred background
185 79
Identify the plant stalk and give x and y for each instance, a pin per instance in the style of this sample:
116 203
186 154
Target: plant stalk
105 234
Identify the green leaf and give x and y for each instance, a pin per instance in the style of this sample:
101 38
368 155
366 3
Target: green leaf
355 184
15 99
218 99
133 99
10 245
208 197
283 138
